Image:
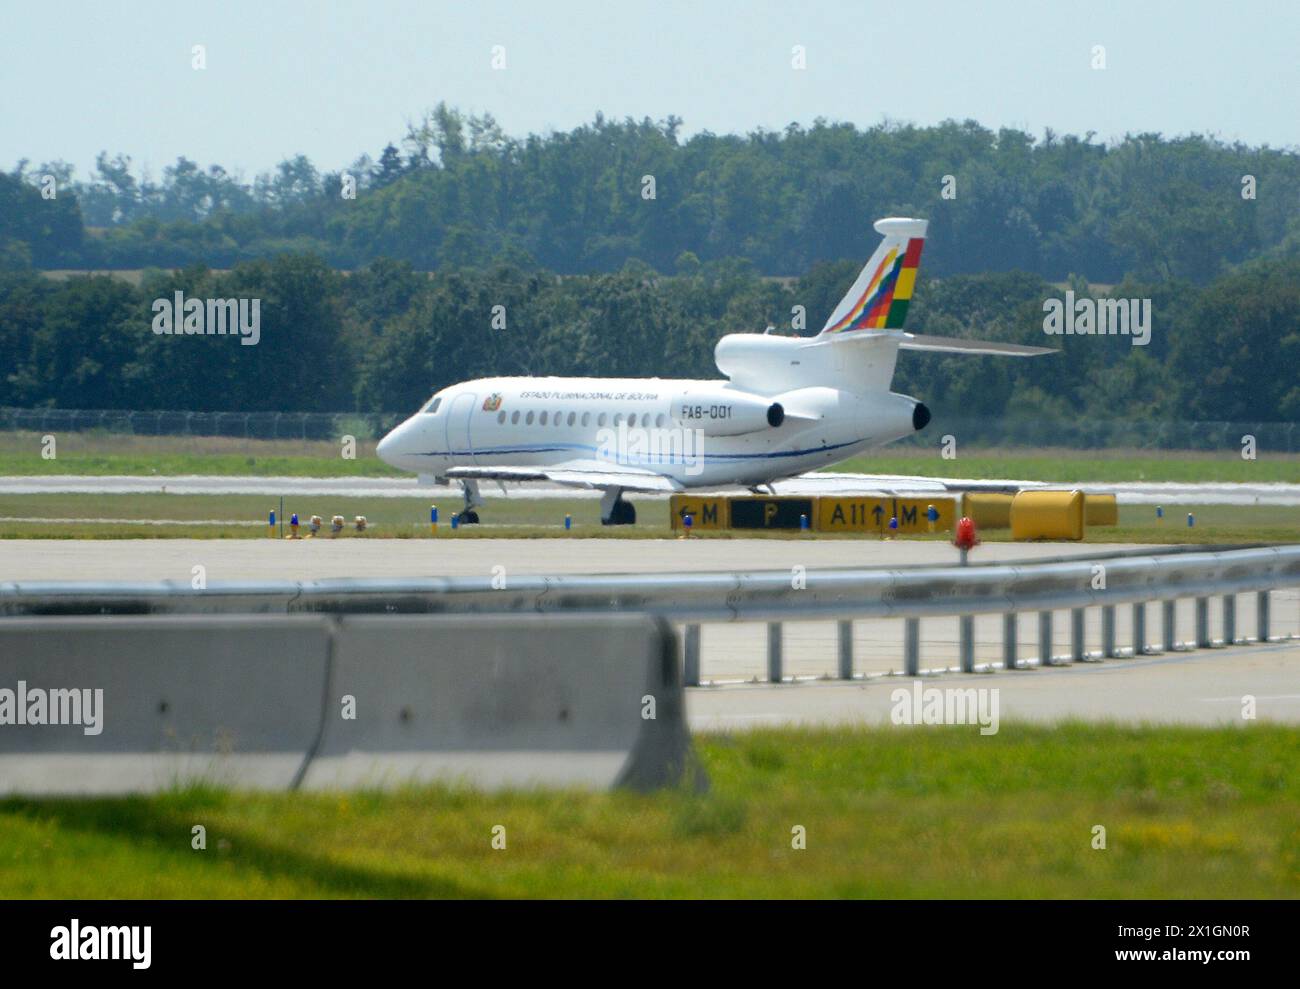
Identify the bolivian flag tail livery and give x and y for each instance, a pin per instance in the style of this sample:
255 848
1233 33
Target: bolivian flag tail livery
879 298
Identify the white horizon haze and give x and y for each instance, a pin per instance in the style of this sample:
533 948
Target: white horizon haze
335 80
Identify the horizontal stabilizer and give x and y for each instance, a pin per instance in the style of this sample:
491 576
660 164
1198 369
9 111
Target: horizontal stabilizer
958 345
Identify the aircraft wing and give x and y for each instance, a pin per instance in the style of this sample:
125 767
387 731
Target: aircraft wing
575 473
845 483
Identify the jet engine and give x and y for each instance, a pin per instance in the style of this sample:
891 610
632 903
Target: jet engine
725 411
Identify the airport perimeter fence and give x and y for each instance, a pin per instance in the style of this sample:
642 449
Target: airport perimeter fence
245 425
1132 579
1076 433
1084 433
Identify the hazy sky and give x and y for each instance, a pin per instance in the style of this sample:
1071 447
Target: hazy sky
333 79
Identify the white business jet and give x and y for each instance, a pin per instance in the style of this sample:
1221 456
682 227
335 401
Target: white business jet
788 405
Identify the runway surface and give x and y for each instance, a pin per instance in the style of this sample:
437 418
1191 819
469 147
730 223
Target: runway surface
1204 687
1128 493
1201 686
730 652
313 559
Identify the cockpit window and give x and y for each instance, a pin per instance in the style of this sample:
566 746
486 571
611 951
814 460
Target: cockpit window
432 407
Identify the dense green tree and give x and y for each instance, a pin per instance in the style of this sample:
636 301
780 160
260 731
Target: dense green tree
34 229
460 192
1236 353
620 248
387 336
84 340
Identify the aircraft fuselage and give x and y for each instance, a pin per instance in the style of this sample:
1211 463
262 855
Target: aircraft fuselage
700 433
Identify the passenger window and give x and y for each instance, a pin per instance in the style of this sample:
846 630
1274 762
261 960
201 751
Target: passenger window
586 418
659 420
559 418
542 418
618 418
501 417
529 420
514 418
600 421
572 416
631 420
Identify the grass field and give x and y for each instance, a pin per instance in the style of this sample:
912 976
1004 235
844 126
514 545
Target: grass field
1083 466
77 516
888 812
102 453
81 516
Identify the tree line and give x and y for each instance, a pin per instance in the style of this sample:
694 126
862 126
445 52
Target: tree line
383 338
456 192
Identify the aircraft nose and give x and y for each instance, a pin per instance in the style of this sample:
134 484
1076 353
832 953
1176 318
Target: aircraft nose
388 448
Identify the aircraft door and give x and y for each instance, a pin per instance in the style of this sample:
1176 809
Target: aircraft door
458 426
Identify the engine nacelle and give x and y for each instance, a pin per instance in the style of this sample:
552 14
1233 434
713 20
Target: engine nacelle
725 411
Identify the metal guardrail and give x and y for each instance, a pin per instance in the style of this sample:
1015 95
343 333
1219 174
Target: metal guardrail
910 593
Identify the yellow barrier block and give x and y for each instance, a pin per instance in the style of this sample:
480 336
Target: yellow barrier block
706 513
872 514
1047 515
988 510
1100 509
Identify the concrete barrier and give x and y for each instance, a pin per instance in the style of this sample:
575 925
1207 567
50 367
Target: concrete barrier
262 702
507 701
228 700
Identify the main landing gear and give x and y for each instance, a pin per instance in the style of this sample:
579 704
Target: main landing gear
472 501
614 510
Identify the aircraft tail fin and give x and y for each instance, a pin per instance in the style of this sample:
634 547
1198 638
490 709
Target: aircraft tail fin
878 300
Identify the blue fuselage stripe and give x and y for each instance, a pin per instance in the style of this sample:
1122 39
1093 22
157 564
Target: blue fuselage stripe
708 457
